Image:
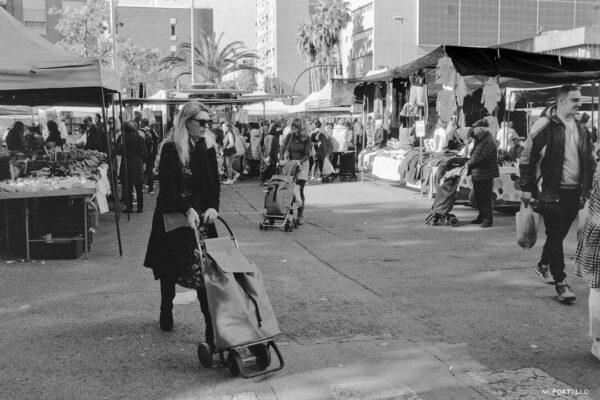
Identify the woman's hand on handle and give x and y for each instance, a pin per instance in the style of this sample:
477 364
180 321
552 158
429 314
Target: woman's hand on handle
193 218
210 216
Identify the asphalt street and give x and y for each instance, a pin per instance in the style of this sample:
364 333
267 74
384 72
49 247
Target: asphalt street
372 303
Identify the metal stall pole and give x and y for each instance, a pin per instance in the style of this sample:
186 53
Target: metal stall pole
111 174
593 101
364 131
124 160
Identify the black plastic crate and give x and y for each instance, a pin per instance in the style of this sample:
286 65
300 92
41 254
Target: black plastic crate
60 250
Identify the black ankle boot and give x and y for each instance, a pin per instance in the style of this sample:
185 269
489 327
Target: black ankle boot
166 320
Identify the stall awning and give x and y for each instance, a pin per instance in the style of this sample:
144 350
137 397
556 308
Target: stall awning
507 63
35 72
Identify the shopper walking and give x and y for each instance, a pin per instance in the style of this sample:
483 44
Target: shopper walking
483 167
229 151
188 184
296 148
151 140
587 261
254 152
563 151
134 157
271 152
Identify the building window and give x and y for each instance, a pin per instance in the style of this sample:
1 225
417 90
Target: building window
173 24
34 15
173 50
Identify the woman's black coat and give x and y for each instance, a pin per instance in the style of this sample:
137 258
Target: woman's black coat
135 148
169 252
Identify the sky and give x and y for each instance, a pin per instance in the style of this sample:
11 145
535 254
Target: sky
235 18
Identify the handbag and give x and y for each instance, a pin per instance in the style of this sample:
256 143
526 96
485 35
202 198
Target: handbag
175 221
229 151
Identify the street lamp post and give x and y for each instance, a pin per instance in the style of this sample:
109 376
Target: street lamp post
307 69
401 19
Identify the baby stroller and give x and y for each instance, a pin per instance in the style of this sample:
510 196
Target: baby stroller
280 200
244 323
445 196
347 167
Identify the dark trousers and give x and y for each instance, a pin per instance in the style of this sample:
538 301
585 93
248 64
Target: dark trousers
267 172
150 173
335 160
167 294
558 218
483 197
139 191
301 184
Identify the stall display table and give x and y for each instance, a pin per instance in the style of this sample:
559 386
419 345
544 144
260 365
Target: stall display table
27 196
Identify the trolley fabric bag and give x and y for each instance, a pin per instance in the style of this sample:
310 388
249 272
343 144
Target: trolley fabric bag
527 226
239 306
280 195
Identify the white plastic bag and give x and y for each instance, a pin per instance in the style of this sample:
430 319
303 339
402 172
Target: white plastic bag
527 226
327 167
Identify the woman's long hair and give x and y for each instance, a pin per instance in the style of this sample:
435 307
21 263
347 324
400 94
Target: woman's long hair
179 133
297 123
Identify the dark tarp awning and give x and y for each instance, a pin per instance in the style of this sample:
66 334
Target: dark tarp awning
35 72
507 63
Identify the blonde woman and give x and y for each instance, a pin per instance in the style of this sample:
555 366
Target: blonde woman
189 184
296 148
587 261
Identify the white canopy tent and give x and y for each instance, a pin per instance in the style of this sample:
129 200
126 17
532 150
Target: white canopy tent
268 109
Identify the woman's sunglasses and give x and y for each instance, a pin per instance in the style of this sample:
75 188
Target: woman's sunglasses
202 122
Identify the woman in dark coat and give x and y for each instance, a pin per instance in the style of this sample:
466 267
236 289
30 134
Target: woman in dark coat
189 184
483 167
53 135
15 140
135 156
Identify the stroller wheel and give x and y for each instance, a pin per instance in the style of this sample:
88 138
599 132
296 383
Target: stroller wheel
260 226
453 222
262 354
205 355
234 362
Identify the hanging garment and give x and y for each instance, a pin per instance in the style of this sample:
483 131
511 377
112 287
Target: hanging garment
491 95
461 90
417 95
461 118
446 104
492 123
445 72
377 103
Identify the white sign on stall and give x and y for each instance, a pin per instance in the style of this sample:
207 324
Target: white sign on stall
420 128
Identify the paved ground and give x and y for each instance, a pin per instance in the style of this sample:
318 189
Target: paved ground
373 305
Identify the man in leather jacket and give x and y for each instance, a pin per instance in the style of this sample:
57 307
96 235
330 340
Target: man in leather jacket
563 151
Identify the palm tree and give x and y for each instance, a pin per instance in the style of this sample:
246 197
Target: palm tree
318 38
212 61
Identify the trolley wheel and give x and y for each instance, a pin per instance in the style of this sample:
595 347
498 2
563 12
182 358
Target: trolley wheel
234 362
453 222
271 221
262 354
205 355
260 226
289 226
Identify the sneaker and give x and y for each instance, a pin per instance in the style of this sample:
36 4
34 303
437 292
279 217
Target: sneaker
596 349
236 176
318 179
228 182
543 271
563 292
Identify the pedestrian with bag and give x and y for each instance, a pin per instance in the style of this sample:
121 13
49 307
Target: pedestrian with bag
587 260
189 190
271 152
132 165
563 151
151 140
483 168
296 148
229 150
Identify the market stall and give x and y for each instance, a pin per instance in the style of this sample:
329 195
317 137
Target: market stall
458 85
33 72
